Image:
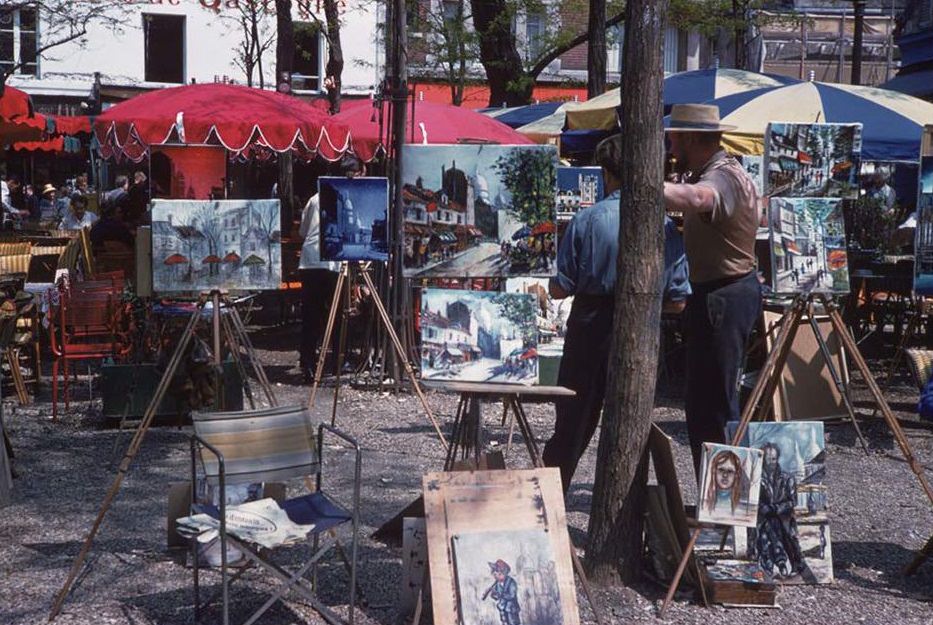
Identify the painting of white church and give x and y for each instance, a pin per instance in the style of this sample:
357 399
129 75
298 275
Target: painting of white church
354 218
232 245
478 336
475 211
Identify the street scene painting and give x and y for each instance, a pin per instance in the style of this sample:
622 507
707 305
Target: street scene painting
578 187
354 218
478 336
507 577
475 211
813 160
791 540
808 246
216 244
923 244
730 478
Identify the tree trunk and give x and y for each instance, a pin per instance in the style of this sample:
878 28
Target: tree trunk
596 50
285 41
334 69
615 545
508 81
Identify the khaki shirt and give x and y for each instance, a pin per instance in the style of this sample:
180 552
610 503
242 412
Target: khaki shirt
721 244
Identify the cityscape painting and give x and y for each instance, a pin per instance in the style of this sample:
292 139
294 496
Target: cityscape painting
923 244
813 160
478 336
475 211
808 246
216 244
354 218
578 187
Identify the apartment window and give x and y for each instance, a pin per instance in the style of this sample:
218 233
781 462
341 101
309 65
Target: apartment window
306 66
534 33
19 41
164 47
614 48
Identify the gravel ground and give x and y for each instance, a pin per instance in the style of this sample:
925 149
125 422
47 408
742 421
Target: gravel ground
879 515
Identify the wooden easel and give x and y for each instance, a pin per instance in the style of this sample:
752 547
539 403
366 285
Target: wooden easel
230 328
350 274
767 382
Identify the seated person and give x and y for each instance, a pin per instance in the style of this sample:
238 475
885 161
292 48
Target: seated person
78 216
111 227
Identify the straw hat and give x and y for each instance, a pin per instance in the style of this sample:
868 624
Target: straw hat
48 189
696 118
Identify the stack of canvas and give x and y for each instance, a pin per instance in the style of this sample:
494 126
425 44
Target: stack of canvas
482 211
810 170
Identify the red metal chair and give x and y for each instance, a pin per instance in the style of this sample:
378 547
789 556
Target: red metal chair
83 328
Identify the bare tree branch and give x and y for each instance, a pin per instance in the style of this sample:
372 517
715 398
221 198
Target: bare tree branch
548 57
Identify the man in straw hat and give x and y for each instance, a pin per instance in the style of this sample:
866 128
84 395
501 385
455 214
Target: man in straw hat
719 205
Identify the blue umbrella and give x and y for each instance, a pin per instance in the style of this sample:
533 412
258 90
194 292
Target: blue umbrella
891 122
521 233
517 116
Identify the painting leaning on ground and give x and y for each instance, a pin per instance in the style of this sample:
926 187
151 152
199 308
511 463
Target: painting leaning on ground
218 244
479 336
923 244
730 478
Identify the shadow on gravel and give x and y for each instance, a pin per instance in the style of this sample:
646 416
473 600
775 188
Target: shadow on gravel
879 567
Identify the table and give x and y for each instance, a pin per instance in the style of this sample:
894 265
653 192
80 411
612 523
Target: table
467 431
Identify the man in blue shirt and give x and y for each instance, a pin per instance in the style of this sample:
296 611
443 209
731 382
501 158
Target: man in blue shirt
586 269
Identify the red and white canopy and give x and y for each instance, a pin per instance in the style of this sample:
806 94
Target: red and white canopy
239 118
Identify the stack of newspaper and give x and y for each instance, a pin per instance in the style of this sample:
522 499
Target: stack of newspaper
260 522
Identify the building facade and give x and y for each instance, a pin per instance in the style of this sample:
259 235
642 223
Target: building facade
162 43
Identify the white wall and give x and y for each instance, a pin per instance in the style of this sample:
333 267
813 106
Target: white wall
210 39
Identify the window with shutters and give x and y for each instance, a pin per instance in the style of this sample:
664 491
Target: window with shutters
19 40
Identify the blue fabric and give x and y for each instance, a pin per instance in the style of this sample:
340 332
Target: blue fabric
699 86
925 407
917 84
523 115
586 257
581 141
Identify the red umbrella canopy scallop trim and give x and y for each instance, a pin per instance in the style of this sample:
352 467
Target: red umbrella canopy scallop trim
433 124
238 118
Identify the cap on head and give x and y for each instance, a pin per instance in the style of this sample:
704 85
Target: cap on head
696 118
500 566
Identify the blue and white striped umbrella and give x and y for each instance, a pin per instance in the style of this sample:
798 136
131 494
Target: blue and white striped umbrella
892 122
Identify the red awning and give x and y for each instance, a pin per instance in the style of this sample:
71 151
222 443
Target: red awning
52 144
433 123
18 121
804 158
71 124
241 119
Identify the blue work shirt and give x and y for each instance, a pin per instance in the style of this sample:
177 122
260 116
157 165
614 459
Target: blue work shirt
586 257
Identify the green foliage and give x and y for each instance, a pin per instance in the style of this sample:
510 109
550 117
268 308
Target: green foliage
531 177
519 311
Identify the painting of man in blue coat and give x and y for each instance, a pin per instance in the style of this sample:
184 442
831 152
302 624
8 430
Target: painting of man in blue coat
504 591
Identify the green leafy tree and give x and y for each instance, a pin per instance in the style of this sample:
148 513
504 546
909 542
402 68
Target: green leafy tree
521 312
531 177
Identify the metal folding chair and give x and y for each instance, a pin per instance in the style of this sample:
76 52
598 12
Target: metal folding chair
272 445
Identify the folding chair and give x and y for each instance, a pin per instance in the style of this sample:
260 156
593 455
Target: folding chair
274 444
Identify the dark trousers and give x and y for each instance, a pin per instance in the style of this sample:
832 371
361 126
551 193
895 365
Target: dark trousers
582 369
720 318
317 294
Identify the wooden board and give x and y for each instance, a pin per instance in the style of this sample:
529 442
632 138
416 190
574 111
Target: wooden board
494 501
414 563
497 390
662 455
6 474
807 390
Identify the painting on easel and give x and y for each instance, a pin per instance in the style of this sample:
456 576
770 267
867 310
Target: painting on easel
808 246
923 244
354 218
730 478
507 577
478 336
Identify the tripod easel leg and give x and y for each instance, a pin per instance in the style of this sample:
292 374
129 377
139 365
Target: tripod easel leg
342 340
387 321
240 328
328 333
128 457
234 346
